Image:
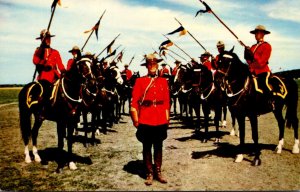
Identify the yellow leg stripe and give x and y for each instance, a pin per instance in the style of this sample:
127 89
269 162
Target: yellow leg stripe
256 86
28 98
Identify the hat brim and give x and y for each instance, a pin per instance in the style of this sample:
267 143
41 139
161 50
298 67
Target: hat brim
157 61
46 36
73 50
265 31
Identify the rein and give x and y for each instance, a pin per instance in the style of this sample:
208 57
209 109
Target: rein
66 94
212 85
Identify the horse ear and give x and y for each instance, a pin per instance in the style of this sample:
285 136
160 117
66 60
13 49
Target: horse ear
231 50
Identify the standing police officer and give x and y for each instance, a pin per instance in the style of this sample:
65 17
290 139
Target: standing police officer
150 115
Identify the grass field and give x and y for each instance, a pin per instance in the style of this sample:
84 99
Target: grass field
9 94
115 163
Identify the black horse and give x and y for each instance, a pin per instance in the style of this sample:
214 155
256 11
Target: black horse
126 89
212 98
245 100
89 101
180 89
59 105
112 109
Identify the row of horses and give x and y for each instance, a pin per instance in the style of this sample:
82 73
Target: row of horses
233 86
88 88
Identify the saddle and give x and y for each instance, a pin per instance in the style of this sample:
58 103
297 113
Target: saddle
275 84
36 92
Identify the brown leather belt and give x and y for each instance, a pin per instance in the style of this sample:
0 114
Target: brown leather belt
148 103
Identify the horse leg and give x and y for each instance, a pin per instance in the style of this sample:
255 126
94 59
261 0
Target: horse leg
25 125
85 127
94 127
296 144
254 128
206 111
70 127
224 122
280 121
218 114
35 130
241 123
234 131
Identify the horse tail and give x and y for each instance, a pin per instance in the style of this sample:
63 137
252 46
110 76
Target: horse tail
24 115
292 104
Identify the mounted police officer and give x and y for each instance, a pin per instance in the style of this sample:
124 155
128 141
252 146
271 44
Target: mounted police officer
75 51
49 66
127 71
164 72
204 58
257 57
221 48
150 108
47 60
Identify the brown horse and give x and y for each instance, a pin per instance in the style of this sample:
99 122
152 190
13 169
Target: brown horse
59 104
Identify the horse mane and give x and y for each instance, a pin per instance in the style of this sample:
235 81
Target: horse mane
241 67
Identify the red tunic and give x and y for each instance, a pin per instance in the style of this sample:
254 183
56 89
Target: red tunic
207 63
164 71
154 114
262 52
128 73
174 71
52 60
70 63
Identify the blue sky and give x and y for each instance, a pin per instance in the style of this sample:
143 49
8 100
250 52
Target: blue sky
141 24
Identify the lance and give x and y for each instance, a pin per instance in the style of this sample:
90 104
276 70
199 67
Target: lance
112 52
210 10
48 28
108 45
93 31
179 47
118 53
176 54
131 60
191 35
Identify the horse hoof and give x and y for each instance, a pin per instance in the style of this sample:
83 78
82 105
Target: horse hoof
239 158
217 141
37 158
204 141
72 165
278 150
224 124
27 159
59 170
256 162
295 149
97 132
232 132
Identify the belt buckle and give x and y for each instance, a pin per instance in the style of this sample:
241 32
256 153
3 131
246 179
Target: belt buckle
154 102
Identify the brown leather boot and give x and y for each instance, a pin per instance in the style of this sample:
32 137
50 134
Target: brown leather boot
158 162
149 179
147 155
159 176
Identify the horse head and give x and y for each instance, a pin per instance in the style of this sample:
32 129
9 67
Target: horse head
232 72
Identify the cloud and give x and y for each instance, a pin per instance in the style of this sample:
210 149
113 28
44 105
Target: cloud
141 28
286 10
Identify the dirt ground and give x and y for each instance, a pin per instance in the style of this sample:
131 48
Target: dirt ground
115 163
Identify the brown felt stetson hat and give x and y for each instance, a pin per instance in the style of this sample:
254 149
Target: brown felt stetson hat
260 28
177 62
44 33
151 58
75 48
